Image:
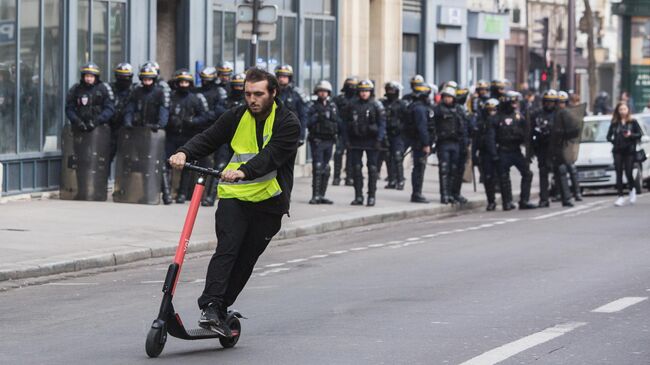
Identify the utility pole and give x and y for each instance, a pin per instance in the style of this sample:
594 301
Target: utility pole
571 46
253 56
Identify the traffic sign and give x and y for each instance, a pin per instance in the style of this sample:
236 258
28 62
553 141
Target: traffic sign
265 31
266 14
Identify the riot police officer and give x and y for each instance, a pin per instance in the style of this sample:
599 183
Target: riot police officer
292 97
123 87
236 94
149 106
224 75
486 152
416 80
418 134
215 94
449 136
562 102
365 129
348 93
91 102
323 125
498 91
541 126
480 97
558 135
395 112
510 134
160 81
188 115
464 144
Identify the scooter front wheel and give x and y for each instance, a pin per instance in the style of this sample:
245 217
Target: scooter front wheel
235 328
156 339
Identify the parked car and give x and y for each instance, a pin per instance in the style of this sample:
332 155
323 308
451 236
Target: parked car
595 162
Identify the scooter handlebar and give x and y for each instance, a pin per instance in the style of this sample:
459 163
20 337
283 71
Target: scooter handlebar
202 170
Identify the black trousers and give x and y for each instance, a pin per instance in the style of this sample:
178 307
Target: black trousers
242 236
624 163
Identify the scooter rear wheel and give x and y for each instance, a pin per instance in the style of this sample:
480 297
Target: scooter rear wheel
156 339
235 328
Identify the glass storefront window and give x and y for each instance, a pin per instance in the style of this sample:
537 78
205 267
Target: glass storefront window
100 38
7 77
290 41
229 38
52 76
117 29
83 17
306 73
30 126
409 56
217 41
319 53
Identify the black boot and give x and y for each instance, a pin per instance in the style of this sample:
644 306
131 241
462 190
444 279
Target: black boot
338 164
373 176
399 170
456 185
324 178
210 192
506 192
166 187
349 170
543 188
181 196
392 184
418 182
358 187
575 184
445 197
563 181
524 199
488 182
315 188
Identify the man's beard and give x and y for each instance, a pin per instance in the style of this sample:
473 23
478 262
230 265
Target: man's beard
266 108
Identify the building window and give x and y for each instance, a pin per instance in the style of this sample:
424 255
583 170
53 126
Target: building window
31 74
409 56
106 44
319 56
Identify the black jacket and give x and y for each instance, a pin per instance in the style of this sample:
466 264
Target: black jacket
621 143
279 154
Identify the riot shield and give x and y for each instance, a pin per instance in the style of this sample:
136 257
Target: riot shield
85 166
139 166
572 120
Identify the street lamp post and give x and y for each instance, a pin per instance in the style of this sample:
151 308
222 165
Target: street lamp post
571 45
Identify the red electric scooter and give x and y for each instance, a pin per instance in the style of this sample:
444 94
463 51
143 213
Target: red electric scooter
168 321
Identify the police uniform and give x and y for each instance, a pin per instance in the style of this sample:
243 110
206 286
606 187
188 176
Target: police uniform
418 132
88 106
541 127
486 153
365 129
395 112
449 137
323 125
348 93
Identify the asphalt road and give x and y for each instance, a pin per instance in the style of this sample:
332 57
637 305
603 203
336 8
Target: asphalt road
548 286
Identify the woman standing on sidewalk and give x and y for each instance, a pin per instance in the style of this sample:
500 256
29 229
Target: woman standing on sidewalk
624 133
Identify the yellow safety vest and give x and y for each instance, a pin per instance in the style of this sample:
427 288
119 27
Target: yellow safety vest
244 146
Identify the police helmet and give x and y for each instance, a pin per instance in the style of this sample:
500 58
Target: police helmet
550 95
350 83
498 83
562 97
453 84
492 104
461 94
421 89
366 85
323 85
208 74
284 70
225 69
482 84
89 68
147 71
153 64
183 75
448 91
417 79
237 82
513 96
394 87
123 71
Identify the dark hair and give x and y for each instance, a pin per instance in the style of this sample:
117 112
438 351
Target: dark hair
616 117
256 74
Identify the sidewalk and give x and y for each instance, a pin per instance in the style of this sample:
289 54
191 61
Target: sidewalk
45 237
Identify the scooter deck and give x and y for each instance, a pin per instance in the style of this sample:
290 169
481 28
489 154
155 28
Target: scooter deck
176 329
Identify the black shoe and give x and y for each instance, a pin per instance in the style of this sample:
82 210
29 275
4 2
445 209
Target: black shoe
400 185
371 201
324 200
419 198
508 206
526 205
567 204
315 200
543 204
357 201
391 185
167 199
445 200
491 207
460 199
207 202
577 198
212 319
180 199
349 182
336 181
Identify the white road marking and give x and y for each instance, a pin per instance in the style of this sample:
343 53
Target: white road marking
318 256
376 245
393 242
431 235
444 232
506 351
294 261
273 271
73 284
487 225
358 248
338 252
619 304
275 265
152 282
197 281
413 239
586 211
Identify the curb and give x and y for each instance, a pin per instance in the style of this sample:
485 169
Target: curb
24 271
